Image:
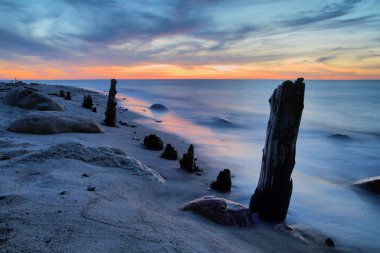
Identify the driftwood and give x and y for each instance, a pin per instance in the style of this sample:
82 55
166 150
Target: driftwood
189 161
111 105
272 196
87 102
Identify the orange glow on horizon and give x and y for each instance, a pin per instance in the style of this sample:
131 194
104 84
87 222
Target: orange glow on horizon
283 70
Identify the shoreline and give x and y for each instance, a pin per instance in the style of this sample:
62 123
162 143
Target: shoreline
176 227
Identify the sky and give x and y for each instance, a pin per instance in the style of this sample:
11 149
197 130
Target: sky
179 39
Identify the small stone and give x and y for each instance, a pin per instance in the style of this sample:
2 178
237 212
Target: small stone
85 175
63 193
123 123
330 243
94 109
91 188
4 157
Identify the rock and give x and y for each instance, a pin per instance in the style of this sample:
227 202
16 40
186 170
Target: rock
94 109
68 95
29 99
87 102
274 189
370 184
330 243
290 231
110 114
169 153
62 93
85 175
153 142
53 124
341 137
221 211
188 161
91 188
223 181
123 123
158 107
103 156
4 157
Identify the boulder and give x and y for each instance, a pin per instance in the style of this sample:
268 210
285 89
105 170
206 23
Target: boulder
169 153
371 184
87 102
158 107
221 211
53 124
223 181
29 99
62 93
189 161
330 243
153 142
341 137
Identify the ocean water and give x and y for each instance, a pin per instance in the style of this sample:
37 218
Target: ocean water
227 120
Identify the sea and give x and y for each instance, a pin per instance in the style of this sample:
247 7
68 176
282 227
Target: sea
226 120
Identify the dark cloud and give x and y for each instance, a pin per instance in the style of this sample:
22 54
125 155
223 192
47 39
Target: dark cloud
189 32
327 12
12 42
325 59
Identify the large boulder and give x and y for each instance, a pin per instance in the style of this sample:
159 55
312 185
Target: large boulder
371 184
220 210
53 124
29 99
158 107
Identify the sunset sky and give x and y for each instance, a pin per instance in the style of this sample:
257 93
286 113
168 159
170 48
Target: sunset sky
87 39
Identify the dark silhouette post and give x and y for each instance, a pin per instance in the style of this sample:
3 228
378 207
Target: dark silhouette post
111 105
272 196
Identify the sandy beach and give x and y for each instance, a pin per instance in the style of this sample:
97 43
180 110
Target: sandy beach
46 204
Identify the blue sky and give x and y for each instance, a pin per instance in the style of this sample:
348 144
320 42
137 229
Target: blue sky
190 39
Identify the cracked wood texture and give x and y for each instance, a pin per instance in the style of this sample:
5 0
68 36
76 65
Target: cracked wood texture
272 196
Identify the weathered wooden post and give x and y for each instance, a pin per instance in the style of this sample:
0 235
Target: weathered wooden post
111 105
272 196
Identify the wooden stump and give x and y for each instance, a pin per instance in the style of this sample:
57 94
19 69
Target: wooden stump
272 196
111 105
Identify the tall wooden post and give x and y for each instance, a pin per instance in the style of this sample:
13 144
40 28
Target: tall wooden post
111 105
272 196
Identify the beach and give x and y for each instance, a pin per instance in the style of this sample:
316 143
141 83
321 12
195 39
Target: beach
46 205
